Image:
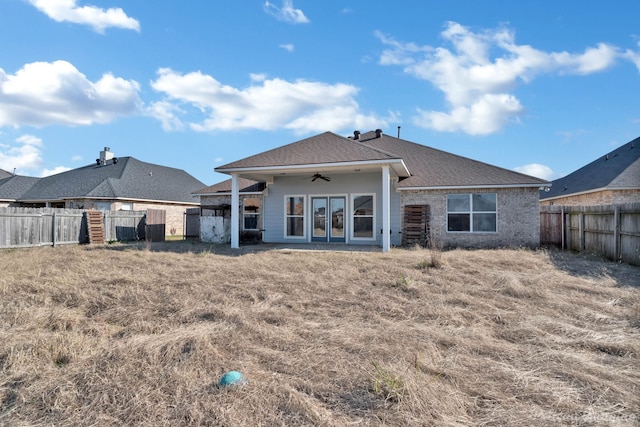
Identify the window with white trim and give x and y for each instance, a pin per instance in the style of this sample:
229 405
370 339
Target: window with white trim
251 213
294 216
472 213
363 218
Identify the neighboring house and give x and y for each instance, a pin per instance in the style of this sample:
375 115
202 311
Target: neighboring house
118 183
611 179
13 186
374 189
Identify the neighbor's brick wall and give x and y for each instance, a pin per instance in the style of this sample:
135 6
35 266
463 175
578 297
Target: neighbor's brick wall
597 198
175 215
518 218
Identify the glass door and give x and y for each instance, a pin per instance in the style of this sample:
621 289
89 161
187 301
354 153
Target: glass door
319 209
328 219
336 233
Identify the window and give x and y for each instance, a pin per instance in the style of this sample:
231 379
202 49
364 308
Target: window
294 216
102 206
363 219
474 213
251 213
126 206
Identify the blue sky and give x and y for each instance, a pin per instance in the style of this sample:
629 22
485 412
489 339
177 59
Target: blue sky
540 87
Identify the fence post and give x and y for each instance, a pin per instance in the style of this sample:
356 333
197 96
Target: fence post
581 230
616 232
562 227
53 229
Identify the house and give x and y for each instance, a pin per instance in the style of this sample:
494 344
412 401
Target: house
611 179
118 183
13 186
375 189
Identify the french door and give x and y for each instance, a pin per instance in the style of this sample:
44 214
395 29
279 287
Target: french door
328 219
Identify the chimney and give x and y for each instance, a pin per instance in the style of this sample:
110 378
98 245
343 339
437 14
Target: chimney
356 135
378 133
105 155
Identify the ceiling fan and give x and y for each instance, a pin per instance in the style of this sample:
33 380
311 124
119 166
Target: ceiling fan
320 176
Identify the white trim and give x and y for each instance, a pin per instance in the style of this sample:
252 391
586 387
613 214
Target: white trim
64 199
228 193
235 207
470 213
314 166
352 217
471 187
386 209
306 201
582 193
328 197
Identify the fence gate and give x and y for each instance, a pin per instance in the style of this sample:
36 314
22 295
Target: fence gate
416 225
155 228
192 222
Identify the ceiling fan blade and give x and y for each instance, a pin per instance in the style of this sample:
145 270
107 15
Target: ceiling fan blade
325 178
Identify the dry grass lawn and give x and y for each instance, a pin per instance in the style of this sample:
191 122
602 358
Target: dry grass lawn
134 335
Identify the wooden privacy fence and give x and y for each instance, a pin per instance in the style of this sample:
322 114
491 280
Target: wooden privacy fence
24 227
612 231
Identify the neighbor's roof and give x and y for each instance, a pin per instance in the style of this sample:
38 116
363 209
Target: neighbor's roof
5 174
616 170
126 178
224 187
428 167
14 186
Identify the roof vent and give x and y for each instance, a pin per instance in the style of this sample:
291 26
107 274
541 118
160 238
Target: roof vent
356 135
378 133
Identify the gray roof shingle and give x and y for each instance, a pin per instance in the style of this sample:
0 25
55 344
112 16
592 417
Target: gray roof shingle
428 167
14 186
126 178
617 169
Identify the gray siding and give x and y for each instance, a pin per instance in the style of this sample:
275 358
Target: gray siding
345 185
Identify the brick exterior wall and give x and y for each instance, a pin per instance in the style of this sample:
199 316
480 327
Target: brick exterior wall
597 198
175 212
518 218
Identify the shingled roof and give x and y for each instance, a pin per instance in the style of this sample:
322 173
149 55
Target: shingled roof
427 167
224 187
12 187
616 170
122 178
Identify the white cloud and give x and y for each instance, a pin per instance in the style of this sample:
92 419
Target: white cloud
97 18
46 93
288 47
287 13
54 171
485 116
23 156
633 56
537 170
479 72
167 113
268 104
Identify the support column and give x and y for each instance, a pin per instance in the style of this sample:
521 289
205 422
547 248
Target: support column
235 207
386 209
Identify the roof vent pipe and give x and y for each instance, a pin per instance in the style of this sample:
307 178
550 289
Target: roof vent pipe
378 133
356 135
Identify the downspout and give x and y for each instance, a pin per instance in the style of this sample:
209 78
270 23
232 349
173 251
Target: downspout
235 205
386 209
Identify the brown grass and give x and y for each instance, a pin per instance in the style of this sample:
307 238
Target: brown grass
129 335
